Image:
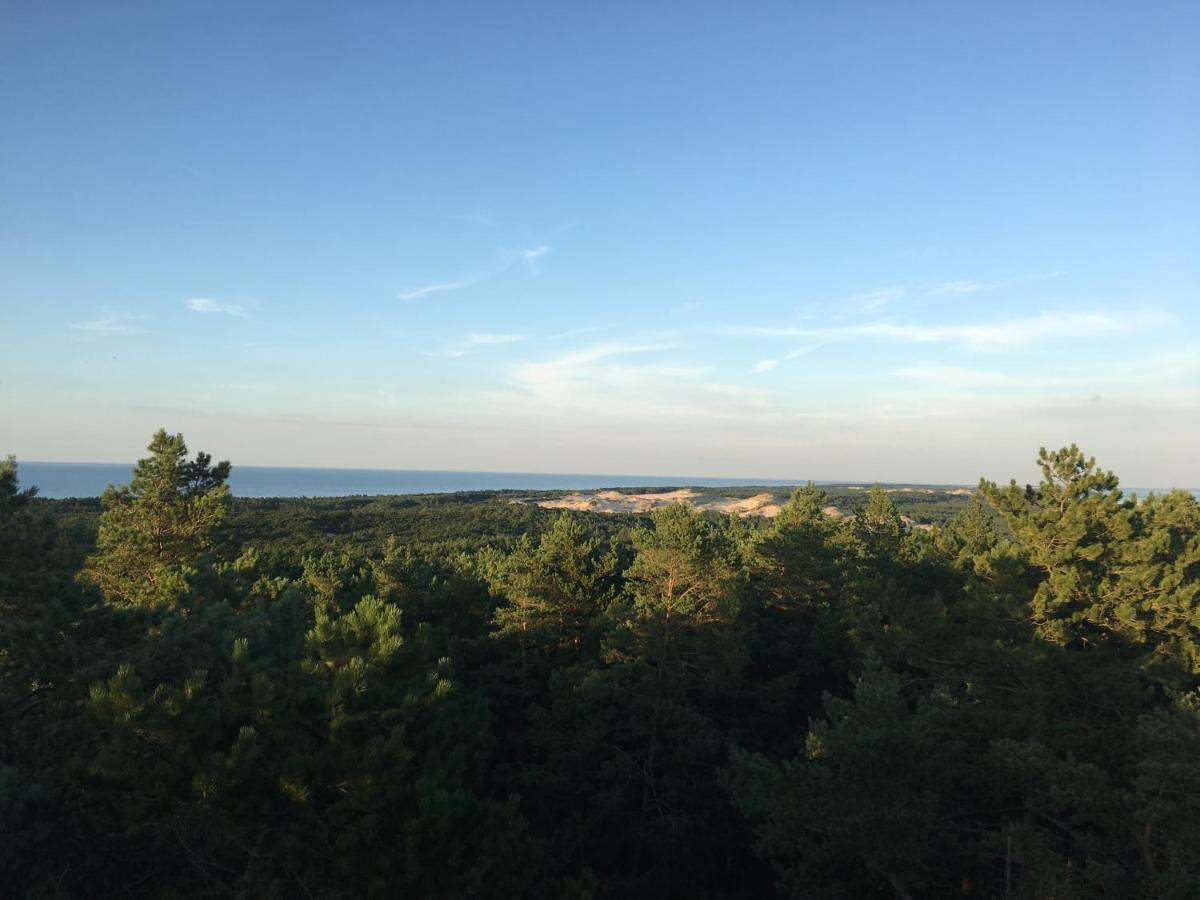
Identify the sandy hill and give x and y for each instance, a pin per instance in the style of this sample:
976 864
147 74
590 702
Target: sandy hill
617 502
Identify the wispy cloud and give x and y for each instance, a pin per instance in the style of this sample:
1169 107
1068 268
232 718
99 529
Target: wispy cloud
505 260
594 353
111 323
766 365
959 287
1166 368
555 381
621 383
1013 332
577 332
868 301
969 286
532 256
955 376
441 287
208 305
475 340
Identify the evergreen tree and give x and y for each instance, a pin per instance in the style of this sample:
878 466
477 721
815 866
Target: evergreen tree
1072 525
865 807
156 530
524 616
1116 574
801 566
551 593
800 556
366 702
879 525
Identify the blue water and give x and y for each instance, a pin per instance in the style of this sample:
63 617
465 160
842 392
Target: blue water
57 480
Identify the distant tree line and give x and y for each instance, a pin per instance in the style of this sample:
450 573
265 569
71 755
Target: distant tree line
202 698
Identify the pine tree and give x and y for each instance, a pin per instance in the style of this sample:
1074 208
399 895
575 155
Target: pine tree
571 575
523 616
551 595
798 557
864 808
879 524
1115 573
155 530
681 599
801 564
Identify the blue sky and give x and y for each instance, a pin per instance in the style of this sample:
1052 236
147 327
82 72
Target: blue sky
860 241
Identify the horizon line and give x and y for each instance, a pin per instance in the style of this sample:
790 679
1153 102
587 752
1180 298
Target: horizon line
734 481
740 481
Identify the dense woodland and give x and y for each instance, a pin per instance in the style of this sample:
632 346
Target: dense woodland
468 697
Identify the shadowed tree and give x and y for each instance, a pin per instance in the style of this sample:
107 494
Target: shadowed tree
864 808
552 593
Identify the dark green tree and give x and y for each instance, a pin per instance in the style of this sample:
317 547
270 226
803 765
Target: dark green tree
865 809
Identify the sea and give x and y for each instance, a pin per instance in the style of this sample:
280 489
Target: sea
56 481
60 480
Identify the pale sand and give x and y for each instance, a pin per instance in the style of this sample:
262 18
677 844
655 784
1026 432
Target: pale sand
618 502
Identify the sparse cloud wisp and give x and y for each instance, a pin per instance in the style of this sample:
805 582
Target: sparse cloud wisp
426 290
969 286
503 262
475 340
111 323
766 365
985 335
208 305
532 256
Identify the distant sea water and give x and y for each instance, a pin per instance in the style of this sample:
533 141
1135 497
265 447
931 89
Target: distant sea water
59 480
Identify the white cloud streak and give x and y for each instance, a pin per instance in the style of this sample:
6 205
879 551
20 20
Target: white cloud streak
530 257
975 287
442 287
613 386
475 340
111 323
991 335
868 301
955 377
208 305
766 365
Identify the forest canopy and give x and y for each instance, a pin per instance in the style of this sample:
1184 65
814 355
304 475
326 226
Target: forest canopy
206 696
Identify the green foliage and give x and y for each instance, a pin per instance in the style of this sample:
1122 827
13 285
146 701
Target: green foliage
1116 574
867 807
551 596
155 531
641 715
1167 796
878 523
465 696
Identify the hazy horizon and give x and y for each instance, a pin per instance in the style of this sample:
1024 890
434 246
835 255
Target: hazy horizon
593 480
910 247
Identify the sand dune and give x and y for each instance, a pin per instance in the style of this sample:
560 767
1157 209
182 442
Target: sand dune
617 502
